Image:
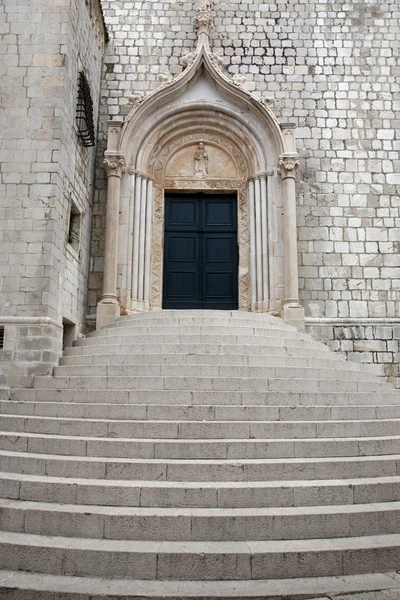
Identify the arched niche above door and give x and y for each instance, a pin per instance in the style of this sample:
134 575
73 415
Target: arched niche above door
200 160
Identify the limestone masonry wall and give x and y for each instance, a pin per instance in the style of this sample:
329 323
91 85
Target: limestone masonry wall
43 166
332 69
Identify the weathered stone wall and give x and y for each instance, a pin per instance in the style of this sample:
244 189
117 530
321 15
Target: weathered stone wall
373 342
43 166
332 69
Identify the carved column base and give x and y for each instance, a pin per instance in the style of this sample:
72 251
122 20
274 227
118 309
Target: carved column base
139 306
261 307
293 314
107 312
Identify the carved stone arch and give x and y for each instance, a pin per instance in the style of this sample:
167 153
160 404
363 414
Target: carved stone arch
203 105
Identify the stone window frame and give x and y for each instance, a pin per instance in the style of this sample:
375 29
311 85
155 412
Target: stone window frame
74 230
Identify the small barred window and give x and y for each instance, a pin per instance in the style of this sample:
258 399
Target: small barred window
1 337
84 112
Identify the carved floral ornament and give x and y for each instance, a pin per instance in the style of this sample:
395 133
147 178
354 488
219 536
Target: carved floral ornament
114 166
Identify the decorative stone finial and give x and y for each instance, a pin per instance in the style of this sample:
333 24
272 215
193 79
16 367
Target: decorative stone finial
239 79
137 97
187 59
268 101
165 78
218 60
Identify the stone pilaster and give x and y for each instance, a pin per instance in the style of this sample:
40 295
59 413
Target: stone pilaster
292 311
108 308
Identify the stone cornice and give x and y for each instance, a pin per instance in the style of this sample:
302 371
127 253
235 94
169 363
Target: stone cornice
30 321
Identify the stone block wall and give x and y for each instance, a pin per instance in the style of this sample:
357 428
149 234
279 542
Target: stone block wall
375 343
43 166
332 69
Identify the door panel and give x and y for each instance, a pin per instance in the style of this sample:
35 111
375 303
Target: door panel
200 254
181 270
220 270
182 214
219 214
218 249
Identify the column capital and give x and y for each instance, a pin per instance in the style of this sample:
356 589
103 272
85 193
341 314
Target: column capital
288 165
114 165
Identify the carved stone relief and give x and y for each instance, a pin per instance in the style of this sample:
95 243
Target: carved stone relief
200 169
199 162
202 162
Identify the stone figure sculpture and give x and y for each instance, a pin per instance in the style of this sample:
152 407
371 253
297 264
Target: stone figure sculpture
201 161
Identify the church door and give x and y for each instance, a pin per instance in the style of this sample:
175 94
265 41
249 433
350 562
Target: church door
200 252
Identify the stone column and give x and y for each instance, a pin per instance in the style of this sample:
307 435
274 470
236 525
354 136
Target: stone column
292 311
108 308
259 255
141 246
147 250
253 272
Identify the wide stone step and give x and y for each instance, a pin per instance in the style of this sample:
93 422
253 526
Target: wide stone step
194 329
216 326
207 360
215 348
166 314
201 398
253 372
190 446
20 585
199 560
194 316
229 448
203 494
218 383
205 339
165 412
241 360
200 469
199 524
201 430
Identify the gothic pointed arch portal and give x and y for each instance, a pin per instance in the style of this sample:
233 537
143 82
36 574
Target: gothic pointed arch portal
201 131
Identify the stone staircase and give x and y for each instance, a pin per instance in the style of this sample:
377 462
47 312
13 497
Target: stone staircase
199 454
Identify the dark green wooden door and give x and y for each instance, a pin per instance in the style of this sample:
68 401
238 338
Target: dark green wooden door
201 252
